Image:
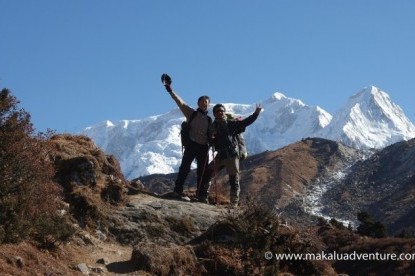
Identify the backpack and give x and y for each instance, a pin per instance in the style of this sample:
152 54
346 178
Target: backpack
243 152
239 139
185 130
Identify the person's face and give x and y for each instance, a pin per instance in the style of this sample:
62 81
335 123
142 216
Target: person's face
203 104
219 113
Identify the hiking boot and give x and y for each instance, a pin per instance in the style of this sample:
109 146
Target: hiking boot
203 199
176 195
171 195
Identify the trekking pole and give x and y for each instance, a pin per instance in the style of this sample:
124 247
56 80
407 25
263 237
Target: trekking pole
214 176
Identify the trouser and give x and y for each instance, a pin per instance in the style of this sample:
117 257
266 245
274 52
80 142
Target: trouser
235 189
194 150
232 166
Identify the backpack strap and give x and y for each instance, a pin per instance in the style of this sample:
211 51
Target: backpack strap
192 117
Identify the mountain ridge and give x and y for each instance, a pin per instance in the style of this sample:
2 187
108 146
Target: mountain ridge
368 119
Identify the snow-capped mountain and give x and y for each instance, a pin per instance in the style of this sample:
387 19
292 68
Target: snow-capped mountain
369 119
284 121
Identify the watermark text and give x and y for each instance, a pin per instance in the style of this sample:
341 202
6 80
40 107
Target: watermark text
340 256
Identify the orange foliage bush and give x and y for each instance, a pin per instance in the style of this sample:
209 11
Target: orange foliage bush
28 197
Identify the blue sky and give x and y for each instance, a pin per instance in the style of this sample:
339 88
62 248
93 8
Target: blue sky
73 64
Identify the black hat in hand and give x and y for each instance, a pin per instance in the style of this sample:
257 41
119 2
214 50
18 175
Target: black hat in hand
165 79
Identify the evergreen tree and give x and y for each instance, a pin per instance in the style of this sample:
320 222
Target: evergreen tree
369 227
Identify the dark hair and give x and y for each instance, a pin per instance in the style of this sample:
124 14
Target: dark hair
203 98
218 106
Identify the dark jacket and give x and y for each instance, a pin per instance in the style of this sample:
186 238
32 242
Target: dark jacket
224 134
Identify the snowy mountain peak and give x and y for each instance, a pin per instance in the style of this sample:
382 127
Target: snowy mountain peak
369 119
278 96
371 95
109 123
280 99
376 104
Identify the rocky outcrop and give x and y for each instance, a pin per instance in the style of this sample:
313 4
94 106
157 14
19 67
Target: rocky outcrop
149 218
92 180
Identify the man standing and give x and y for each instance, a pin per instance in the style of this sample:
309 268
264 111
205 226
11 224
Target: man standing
224 139
198 146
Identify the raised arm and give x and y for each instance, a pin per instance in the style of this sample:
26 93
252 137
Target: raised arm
241 125
258 109
185 108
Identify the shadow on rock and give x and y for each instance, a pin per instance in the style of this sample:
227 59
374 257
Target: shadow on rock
121 267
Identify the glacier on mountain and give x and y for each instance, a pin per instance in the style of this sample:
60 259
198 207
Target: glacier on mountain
369 119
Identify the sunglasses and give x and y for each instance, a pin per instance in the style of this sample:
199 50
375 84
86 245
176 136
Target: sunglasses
219 110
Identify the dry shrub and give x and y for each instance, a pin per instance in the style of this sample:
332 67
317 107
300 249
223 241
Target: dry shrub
92 180
26 259
114 192
27 193
165 260
220 259
183 225
87 208
237 244
68 147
